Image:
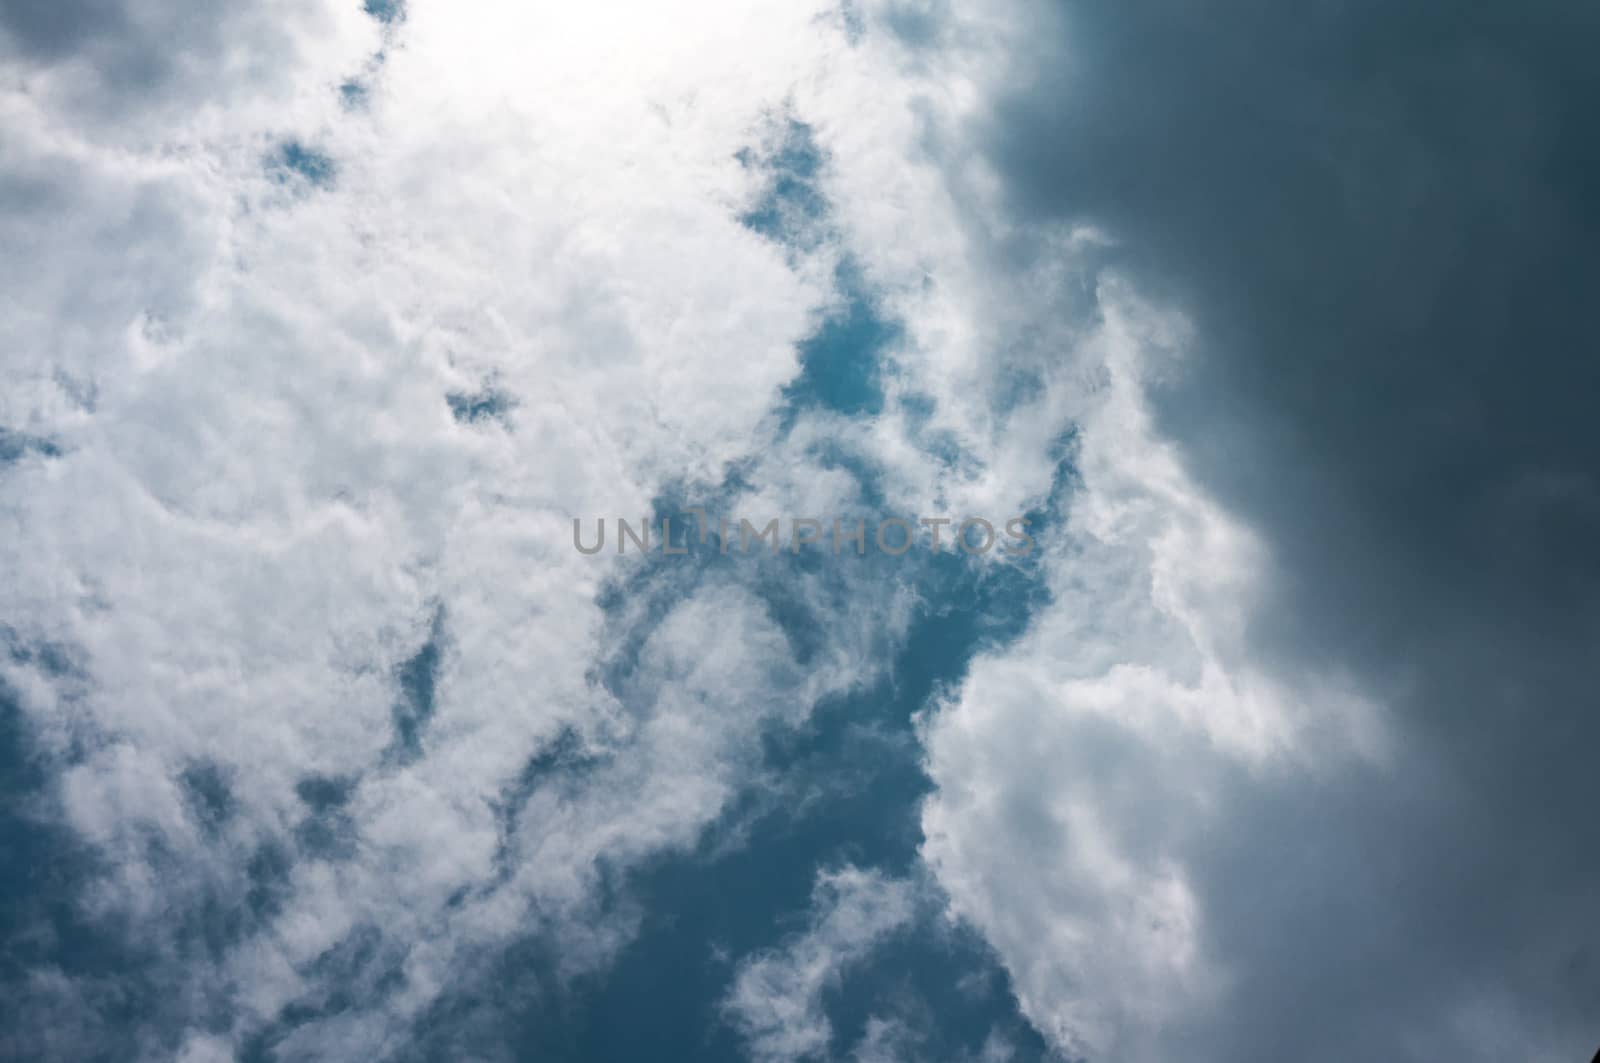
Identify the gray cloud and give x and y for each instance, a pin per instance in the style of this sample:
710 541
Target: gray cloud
1372 217
1379 220
114 61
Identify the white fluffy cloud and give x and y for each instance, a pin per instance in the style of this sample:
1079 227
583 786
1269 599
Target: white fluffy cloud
1080 768
259 506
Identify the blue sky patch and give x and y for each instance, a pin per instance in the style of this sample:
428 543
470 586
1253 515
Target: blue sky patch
487 403
14 446
386 11
294 161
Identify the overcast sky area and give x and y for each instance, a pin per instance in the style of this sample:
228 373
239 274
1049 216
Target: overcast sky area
1260 333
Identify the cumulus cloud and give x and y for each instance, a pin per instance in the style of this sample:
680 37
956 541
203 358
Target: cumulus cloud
1075 768
321 325
1312 688
332 668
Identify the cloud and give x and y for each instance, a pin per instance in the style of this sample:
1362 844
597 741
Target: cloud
126 72
303 390
1294 766
1076 769
322 387
776 999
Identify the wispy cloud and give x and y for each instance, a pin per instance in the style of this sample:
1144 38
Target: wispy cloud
776 999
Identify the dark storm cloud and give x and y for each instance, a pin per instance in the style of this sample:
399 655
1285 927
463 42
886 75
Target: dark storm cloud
1382 219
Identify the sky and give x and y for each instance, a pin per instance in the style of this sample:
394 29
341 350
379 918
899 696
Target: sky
1266 732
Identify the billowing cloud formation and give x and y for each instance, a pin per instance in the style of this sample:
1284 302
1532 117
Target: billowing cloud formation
320 329
1077 770
302 394
1378 221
